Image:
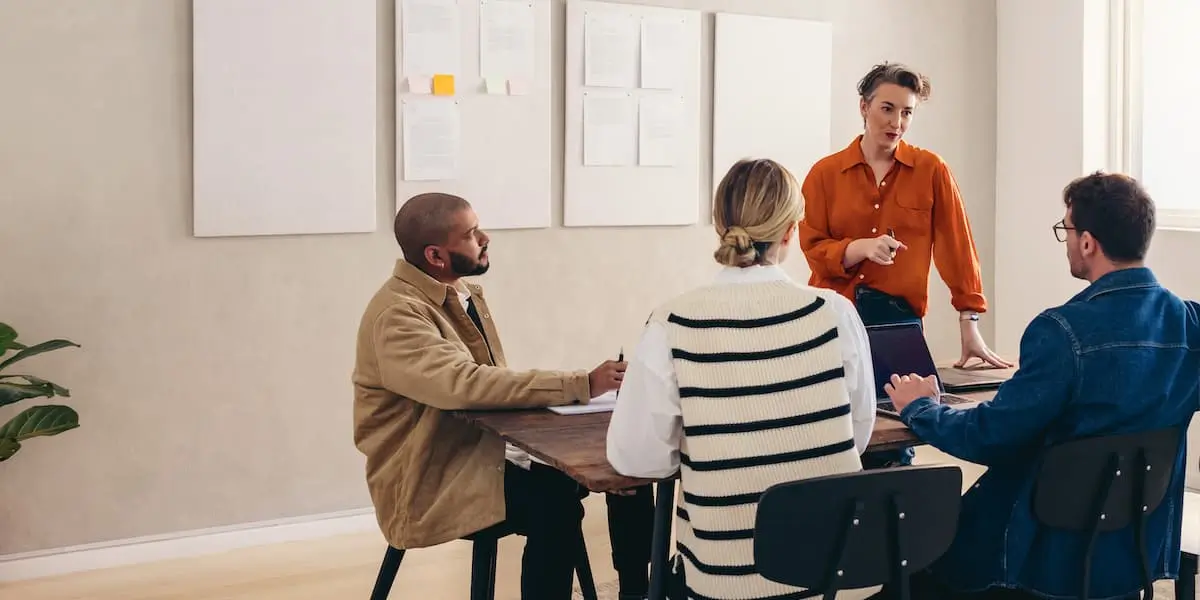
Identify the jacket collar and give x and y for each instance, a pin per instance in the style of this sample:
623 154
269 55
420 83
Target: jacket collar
436 291
1122 279
852 155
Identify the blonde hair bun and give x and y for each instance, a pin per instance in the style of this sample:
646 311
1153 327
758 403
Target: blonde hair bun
756 202
737 248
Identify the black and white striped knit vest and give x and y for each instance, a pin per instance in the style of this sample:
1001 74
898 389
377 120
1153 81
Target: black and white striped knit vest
764 401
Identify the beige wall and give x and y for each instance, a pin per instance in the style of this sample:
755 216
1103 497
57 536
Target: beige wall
213 382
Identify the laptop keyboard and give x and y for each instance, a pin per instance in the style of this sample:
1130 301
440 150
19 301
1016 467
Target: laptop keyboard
951 399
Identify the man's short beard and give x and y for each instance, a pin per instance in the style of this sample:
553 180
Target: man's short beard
465 266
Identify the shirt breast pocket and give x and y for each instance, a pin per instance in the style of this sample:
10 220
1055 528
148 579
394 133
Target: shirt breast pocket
914 213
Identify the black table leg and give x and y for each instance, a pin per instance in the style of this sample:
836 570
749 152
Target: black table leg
660 545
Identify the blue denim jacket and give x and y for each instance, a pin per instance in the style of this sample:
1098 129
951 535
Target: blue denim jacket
1121 356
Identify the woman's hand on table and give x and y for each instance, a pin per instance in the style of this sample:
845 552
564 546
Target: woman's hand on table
974 347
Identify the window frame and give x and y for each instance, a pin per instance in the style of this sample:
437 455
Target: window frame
1126 30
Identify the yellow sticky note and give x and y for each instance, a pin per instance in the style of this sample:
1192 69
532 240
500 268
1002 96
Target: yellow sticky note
443 85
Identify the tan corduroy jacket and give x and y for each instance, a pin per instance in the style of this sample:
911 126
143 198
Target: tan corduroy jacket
434 478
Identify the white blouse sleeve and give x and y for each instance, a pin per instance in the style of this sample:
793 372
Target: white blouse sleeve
647 424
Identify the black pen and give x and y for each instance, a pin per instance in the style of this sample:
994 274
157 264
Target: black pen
892 234
620 358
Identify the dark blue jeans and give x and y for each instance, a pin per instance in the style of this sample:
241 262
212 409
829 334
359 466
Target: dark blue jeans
877 308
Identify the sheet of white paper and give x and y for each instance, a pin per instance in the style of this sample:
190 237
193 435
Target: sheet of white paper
610 50
419 84
658 130
610 131
604 403
506 39
495 85
431 139
517 87
431 37
662 41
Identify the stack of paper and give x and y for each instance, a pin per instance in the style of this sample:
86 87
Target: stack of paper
604 403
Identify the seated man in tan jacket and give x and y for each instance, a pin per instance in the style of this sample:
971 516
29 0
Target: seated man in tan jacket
427 345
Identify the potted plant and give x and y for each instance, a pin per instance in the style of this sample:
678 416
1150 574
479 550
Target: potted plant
35 421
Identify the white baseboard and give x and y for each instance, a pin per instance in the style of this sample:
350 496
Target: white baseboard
73 559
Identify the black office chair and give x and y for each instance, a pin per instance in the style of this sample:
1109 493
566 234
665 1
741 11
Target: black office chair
1103 484
858 529
483 566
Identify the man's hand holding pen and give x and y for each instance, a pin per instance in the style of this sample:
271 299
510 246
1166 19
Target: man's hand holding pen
608 376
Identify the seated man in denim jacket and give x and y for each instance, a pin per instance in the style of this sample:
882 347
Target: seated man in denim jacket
1122 356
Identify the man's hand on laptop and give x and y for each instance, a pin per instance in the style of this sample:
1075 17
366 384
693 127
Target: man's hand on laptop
904 389
606 377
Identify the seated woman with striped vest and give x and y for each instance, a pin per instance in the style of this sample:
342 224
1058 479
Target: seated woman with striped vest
749 381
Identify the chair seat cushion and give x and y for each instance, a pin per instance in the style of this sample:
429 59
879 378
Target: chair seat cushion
1189 539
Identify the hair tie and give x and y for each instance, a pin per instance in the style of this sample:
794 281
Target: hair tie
738 238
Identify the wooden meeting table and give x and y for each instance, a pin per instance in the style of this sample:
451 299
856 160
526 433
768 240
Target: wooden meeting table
577 445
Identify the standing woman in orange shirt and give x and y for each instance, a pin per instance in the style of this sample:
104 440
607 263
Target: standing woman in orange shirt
878 212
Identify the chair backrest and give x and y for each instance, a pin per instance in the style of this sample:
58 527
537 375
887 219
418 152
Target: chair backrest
1104 481
857 529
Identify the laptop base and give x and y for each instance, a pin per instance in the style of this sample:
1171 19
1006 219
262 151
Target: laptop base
886 408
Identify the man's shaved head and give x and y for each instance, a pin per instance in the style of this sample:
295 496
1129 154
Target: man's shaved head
426 219
440 234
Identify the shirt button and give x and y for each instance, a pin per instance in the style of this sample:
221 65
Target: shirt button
873 230
486 316
882 183
876 207
861 276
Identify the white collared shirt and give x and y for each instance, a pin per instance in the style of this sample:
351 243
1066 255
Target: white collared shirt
647 424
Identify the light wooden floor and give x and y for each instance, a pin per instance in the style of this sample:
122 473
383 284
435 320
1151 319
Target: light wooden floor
341 568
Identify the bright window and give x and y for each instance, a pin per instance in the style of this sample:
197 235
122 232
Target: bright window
1161 45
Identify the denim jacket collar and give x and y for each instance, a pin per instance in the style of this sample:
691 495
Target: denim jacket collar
1123 279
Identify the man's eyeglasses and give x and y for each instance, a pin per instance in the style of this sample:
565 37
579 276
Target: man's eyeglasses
1060 230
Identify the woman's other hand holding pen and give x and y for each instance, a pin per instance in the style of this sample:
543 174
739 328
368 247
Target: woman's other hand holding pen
879 250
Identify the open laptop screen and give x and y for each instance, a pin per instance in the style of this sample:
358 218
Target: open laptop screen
901 349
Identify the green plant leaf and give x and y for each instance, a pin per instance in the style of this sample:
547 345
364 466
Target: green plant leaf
36 349
58 389
11 393
8 447
39 421
8 335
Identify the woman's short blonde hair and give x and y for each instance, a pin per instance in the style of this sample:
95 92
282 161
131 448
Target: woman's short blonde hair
755 204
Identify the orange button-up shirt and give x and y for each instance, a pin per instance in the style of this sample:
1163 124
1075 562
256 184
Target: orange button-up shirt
918 199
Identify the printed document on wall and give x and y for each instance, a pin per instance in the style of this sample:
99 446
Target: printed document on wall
662 42
431 137
610 131
610 50
506 39
431 37
658 130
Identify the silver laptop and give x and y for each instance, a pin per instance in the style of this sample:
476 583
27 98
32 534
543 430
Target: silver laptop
900 348
967 380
